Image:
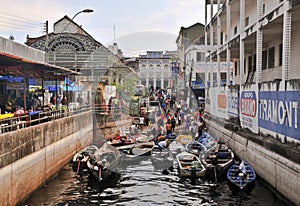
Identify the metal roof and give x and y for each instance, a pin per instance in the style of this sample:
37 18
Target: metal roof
12 60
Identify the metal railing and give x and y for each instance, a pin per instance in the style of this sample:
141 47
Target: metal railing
26 120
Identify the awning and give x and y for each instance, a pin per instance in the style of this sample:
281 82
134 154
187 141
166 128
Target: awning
11 63
198 85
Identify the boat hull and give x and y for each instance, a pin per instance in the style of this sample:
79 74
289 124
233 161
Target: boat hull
237 182
189 165
161 158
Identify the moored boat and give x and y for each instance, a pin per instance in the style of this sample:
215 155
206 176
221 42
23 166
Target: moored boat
136 153
79 161
161 157
218 161
189 165
104 162
176 147
239 181
195 148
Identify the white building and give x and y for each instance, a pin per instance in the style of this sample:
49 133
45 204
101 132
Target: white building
155 69
262 40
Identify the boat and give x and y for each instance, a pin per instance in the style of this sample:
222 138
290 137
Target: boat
104 162
171 136
184 139
176 147
161 157
189 165
79 161
217 161
237 181
135 152
195 148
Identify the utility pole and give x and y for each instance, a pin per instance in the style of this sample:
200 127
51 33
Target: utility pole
47 41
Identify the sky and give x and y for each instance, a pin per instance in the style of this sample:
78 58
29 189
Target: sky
141 20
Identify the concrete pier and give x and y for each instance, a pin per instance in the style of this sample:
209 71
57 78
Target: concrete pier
30 156
280 172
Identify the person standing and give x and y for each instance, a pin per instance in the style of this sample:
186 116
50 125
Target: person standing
173 123
169 127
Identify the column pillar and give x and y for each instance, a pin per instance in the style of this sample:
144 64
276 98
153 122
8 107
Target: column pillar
242 43
228 17
259 42
219 44
211 43
286 42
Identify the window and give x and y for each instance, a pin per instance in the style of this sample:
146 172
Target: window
235 68
280 55
235 30
247 21
245 68
271 58
254 63
264 59
250 68
198 56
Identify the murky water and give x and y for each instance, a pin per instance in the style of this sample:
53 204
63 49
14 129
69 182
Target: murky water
142 184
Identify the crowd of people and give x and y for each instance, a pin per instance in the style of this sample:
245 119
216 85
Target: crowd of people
174 113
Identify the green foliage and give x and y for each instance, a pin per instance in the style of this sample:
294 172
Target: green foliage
127 89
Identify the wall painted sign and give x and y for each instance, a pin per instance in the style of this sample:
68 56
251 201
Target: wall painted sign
279 112
248 110
233 103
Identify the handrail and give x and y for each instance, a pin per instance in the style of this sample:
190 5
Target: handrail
23 121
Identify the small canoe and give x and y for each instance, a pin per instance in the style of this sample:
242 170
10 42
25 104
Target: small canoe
240 182
176 147
195 148
161 157
104 162
189 165
79 161
137 152
218 161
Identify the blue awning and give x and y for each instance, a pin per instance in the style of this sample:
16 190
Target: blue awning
198 85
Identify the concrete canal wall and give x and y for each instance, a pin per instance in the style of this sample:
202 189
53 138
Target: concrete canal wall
280 172
30 156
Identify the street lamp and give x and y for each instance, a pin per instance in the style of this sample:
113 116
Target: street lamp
82 11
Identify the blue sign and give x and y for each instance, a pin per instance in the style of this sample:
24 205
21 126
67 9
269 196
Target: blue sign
279 112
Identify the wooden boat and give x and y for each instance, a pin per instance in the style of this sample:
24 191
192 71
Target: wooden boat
195 148
161 157
79 161
237 181
217 161
189 165
104 162
176 147
184 139
121 142
136 152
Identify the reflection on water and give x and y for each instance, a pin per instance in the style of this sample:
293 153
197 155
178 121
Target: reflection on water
142 184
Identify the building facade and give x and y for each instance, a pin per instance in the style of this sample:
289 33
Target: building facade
261 38
70 46
156 69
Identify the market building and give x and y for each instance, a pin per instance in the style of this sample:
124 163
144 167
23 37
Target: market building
69 45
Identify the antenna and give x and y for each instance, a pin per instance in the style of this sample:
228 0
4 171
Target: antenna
114 33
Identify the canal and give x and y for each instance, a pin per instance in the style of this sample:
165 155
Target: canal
141 184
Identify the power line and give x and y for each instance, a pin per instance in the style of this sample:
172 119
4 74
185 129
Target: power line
19 28
22 21
20 25
22 18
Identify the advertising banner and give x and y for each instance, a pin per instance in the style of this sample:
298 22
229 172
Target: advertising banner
248 109
279 112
